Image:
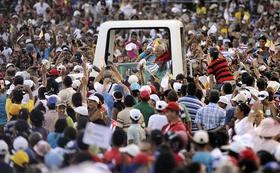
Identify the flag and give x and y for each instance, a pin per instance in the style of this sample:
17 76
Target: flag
153 68
41 35
213 29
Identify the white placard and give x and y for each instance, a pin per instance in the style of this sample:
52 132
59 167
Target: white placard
97 135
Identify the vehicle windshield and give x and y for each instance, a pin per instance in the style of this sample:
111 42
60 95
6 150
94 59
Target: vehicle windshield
134 50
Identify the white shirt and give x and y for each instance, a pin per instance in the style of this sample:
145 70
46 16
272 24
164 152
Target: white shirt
41 8
157 121
229 105
266 145
109 88
243 126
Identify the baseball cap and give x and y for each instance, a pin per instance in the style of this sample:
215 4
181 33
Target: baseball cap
133 79
134 87
94 98
54 72
154 97
82 110
173 106
42 148
201 137
20 158
146 88
161 105
145 95
52 99
240 98
235 146
263 95
60 103
53 160
20 143
135 114
177 86
4 149
223 99
10 65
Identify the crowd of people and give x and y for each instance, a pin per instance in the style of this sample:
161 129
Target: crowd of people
221 116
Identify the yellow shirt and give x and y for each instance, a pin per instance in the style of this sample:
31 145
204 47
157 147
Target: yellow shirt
13 109
200 10
246 16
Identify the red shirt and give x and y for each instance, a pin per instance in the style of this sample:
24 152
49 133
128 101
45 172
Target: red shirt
174 127
113 154
219 68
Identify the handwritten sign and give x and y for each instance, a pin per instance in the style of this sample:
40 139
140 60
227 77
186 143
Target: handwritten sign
97 135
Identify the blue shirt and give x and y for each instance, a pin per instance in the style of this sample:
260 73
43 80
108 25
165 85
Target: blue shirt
3 114
210 116
204 158
45 54
192 103
53 138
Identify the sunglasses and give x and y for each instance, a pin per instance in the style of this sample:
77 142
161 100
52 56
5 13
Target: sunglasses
262 96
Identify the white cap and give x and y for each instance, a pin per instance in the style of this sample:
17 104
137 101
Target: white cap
133 79
82 110
131 149
263 95
28 41
10 65
240 98
147 88
76 13
29 83
235 146
20 143
58 50
247 94
177 86
78 68
94 98
76 84
4 149
201 137
23 74
223 99
161 105
154 97
135 114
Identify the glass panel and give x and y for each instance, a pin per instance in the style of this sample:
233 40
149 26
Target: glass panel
134 48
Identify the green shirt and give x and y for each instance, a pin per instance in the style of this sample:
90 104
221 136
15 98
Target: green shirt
146 110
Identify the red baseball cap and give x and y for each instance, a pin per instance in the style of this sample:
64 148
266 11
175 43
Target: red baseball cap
145 95
54 72
173 106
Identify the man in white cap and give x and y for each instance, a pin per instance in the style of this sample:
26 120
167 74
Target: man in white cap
158 120
223 102
135 133
61 111
269 109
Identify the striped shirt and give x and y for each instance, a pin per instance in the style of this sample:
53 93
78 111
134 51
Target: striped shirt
210 116
219 68
192 103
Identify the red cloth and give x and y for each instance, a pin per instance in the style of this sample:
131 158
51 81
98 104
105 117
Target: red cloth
219 68
163 58
174 127
178 159
113 155
142 159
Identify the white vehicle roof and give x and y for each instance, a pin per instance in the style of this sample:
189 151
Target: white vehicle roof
174 27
